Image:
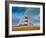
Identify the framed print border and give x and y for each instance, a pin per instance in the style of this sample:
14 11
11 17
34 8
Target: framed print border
7 18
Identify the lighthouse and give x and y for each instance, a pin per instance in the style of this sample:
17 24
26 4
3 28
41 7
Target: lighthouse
26 20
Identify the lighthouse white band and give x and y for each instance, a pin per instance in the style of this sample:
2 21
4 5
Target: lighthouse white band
25 22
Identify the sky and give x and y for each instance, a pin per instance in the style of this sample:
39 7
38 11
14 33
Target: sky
18 14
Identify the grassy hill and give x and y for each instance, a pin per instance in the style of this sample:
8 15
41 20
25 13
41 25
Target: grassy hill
25 27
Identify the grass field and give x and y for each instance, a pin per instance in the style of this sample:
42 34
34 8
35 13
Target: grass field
25 27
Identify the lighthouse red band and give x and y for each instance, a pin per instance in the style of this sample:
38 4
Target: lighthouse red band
26 20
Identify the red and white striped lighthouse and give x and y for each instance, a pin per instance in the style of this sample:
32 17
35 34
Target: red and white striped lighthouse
26 20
